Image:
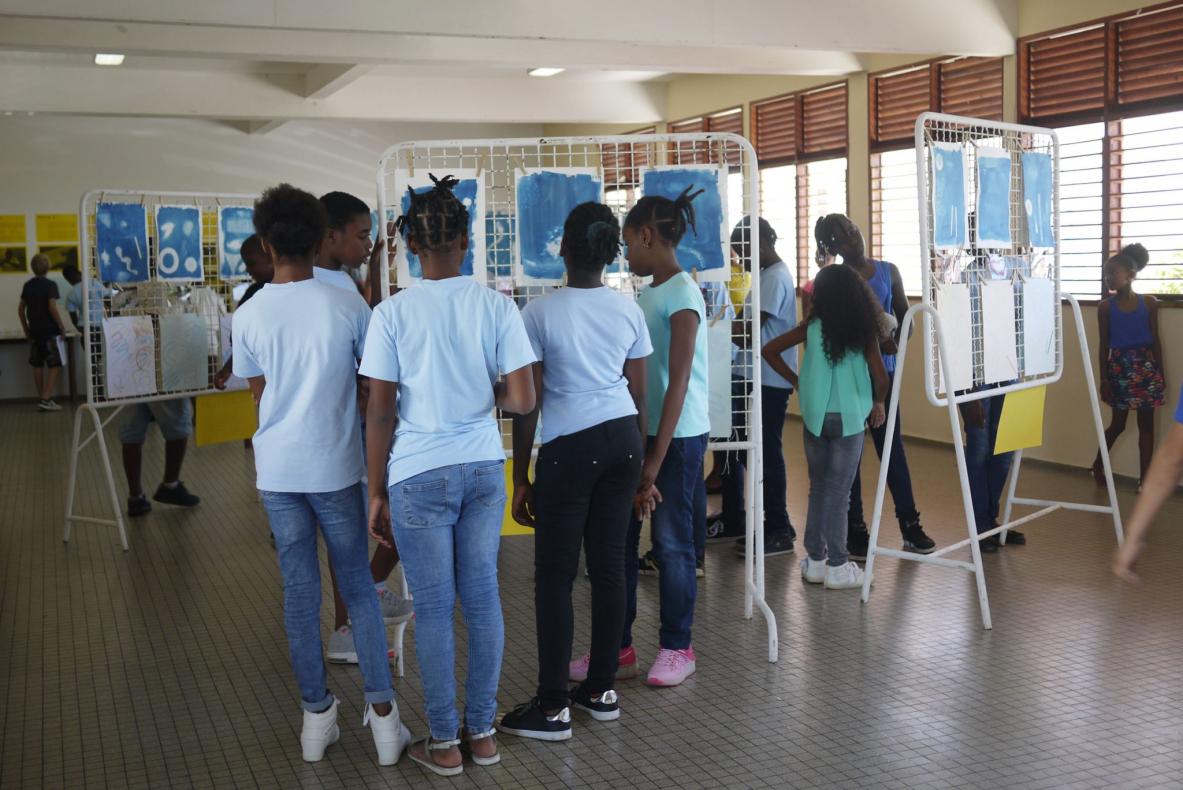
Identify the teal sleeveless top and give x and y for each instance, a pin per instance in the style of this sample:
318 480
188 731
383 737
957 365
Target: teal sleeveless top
844 388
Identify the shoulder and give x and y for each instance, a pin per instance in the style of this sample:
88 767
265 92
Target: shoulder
1151 301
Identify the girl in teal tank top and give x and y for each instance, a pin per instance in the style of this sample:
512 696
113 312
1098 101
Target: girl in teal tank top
842 386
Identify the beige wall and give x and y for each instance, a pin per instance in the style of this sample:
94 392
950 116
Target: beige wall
1037 16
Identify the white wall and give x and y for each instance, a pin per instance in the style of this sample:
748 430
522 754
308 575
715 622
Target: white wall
50 161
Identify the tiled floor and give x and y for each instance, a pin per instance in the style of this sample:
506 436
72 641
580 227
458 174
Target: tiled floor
167 665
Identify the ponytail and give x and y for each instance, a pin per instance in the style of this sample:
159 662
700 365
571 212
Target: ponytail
671 218
591 235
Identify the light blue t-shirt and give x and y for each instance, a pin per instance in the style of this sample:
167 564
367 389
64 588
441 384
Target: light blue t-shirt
336 277
445 342
659 303
305 339
74 301
582 337
778 300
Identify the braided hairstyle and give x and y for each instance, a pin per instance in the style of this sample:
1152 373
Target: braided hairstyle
591 236
1133 257
671 218
435 217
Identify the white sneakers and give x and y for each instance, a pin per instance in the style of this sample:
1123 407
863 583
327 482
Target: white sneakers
320 731
813 571
391 736
844 577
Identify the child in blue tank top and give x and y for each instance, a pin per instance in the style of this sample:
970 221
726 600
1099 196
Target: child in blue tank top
1131 360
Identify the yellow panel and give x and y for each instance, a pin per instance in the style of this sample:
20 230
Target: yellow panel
12 228
1021 425
57 227
226 417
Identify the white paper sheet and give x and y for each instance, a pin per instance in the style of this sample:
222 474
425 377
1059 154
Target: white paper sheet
953 307
184 353
224 344
998 332
129 353
719 378
1039 327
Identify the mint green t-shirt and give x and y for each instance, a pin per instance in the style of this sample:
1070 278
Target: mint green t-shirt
823 387
659 303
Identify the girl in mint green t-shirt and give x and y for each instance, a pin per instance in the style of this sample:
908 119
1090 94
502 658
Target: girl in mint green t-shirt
841 360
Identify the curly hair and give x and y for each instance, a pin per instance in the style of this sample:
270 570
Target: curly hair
291 220
342 207
671 218
847 309
1133 257
434 217
592 236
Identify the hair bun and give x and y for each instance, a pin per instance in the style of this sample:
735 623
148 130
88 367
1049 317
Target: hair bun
1137 255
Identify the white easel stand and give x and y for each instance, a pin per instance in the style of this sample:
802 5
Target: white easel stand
76 450
753 560
951 401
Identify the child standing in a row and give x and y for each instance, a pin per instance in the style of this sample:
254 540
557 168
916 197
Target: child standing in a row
591 344
434 355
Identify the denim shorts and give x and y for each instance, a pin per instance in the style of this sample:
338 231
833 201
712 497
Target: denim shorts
175 418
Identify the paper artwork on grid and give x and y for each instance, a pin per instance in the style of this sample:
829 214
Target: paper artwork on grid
719 378
129 354
953 307
993 218
178 243
225 323
121 242
950 220
184 353
470 191
1000 354
236 224
543 199
1037 199
704 250
1039 327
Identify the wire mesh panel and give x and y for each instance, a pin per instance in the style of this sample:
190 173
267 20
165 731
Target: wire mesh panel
977 257
153 318
619 167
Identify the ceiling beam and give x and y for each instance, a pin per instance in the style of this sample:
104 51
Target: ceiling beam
325 79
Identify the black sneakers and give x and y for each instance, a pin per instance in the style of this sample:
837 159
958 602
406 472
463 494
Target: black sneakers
602 707
647 565
774 544
531 721
177 495
138 506
915 540
717 530
857 541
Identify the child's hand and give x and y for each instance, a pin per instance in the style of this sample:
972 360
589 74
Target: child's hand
380 521
877 417
646 501
522 509
1124 560
221 378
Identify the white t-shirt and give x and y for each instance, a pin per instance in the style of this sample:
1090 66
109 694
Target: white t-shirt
583 336
304 338
778 298
337 277
445 342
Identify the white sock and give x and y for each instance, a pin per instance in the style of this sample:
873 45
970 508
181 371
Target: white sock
380 587
171 485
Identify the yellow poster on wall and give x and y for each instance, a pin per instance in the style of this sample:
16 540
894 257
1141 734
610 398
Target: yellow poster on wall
225 417
1021 425
57 227
12 229
508 525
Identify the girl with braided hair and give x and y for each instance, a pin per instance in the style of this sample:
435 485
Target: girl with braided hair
440 356
591 344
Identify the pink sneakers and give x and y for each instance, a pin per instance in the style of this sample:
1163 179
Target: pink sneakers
671 667
627 666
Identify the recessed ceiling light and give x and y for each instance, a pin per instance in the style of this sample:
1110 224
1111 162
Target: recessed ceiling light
545 71
108 59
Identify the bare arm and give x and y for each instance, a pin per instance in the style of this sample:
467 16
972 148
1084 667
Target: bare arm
524 428
1156 340
515 394
634 373
1103 348
779 345
899 299
381 415
683 328
257 383
879 380
1165 471
20 311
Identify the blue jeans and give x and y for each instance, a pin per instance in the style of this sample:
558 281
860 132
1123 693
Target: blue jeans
832 459
774 402
447 523
987 472
342 518
899 479
674 529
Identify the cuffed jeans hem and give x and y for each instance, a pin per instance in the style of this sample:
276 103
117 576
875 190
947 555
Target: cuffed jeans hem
674 644
320 706
378 697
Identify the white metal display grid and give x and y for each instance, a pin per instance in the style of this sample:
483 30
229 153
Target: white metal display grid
932 128
619 161
153 298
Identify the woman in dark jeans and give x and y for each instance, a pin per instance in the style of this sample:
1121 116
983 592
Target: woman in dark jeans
591 343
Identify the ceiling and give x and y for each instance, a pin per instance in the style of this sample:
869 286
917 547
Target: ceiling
260 63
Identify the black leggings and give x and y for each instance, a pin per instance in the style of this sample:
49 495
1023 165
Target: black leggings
583 495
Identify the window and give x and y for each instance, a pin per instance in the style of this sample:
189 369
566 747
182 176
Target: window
1112 88
778 205
621 162
723 121
895 217
821 190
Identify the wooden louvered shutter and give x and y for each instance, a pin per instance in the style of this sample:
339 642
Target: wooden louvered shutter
1150 57
972 87
690 153
823 122
896 101
774 126
1064 75
726 121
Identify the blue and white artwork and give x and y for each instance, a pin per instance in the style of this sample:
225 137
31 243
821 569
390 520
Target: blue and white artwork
544 199
993 222
121 242
236 224
470 190
178 243
950 220
1037 199
704 249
